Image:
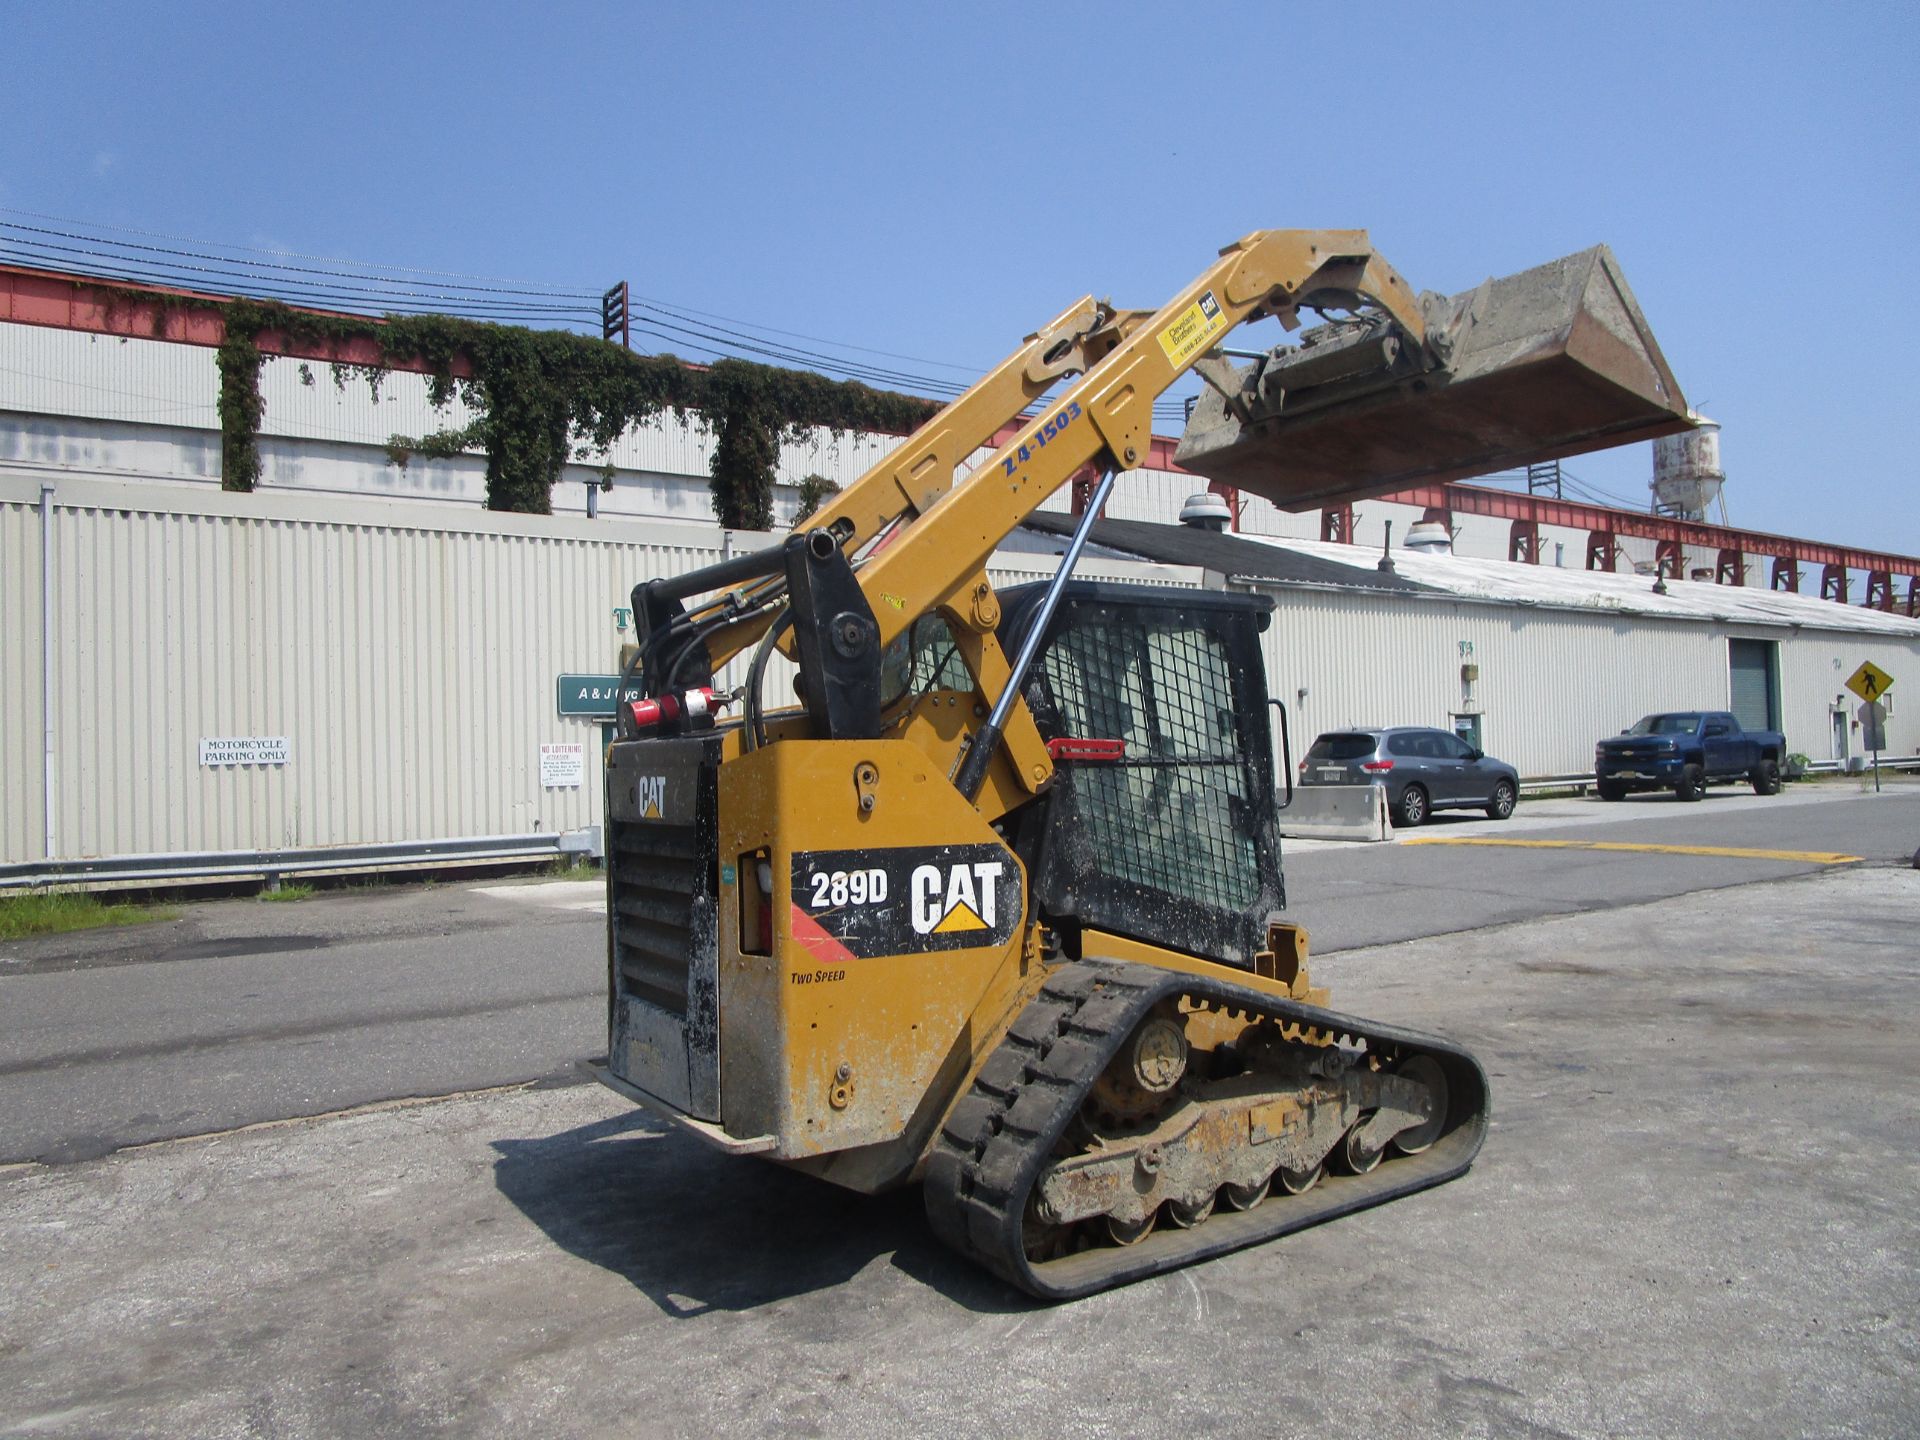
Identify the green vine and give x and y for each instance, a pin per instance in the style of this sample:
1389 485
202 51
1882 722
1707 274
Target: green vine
542 398
814 490
241 408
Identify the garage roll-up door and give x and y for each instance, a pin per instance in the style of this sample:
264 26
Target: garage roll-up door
1752 663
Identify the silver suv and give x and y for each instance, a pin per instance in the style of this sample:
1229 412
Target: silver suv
1423 769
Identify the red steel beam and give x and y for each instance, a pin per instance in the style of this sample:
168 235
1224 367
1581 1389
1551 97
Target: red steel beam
1545 510
185 317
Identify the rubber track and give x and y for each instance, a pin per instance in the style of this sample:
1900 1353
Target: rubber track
998 1139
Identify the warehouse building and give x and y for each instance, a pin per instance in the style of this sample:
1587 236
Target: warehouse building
1536 663
356 654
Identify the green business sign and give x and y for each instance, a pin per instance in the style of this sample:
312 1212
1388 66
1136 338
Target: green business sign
590 694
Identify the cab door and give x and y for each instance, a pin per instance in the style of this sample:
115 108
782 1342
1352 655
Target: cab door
1723 745
1469 777
1414 763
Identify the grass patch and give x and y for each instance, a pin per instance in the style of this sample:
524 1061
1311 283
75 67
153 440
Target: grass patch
54 912
295 890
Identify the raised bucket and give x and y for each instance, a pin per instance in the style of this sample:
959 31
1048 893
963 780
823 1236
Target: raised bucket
1552 362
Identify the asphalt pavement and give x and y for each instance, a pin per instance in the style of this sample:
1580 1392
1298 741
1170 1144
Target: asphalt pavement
1350 894
243 1012
1694 1215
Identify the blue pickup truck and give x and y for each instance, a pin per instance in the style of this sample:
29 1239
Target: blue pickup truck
1685 751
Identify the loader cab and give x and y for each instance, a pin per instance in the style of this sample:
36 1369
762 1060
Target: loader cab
1171 837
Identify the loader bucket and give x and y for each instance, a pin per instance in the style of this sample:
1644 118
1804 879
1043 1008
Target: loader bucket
1552 362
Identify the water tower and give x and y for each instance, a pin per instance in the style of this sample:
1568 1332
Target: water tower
1686 471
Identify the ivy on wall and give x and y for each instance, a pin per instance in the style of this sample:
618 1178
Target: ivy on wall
814 492
542 398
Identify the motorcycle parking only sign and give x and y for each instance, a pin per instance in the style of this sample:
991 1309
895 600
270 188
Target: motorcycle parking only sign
224 750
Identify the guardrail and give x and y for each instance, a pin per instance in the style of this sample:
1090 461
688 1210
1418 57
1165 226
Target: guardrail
1840 767
271 865
1583 783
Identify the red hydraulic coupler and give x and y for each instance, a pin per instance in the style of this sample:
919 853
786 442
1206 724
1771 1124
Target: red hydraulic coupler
689 710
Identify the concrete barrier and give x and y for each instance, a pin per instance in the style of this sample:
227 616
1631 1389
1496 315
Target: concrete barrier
1337 812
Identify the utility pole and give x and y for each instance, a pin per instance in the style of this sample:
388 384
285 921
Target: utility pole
613 315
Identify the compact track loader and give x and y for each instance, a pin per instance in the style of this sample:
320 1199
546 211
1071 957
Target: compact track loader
997 905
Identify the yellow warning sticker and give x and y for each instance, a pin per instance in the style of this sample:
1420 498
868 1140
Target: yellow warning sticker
1188 335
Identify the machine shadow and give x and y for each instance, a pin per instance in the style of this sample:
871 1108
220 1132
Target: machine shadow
697 1231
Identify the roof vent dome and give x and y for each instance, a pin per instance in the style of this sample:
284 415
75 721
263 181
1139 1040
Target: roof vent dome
1430 537
1206 511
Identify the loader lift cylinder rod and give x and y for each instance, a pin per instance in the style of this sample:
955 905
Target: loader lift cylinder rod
754 565
973 766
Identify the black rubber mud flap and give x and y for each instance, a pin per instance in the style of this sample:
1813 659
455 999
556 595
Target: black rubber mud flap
997 1143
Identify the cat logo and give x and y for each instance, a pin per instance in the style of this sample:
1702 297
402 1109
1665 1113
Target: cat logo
650 796
962 898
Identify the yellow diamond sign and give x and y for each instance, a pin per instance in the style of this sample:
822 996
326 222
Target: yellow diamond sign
1870 682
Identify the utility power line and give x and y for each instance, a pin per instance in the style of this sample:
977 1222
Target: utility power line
52 242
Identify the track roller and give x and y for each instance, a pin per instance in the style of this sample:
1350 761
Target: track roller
1018 1182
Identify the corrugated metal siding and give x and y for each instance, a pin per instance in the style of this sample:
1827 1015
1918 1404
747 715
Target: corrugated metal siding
304 400
1814 668
410 661
412 670
22 821
68 372
1152 495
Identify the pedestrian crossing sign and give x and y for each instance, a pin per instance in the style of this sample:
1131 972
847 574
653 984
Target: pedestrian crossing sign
1870 682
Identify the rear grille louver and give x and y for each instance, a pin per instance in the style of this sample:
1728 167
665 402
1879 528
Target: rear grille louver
657 876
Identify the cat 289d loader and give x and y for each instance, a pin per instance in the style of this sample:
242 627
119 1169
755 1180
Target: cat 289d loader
997 905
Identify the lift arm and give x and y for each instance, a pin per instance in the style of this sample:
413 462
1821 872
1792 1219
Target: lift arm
1106 417
943 531
927 532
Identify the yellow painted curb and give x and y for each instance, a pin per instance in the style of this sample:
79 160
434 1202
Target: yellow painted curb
1800 857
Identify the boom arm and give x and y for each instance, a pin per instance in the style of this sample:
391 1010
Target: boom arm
1106 417
942 532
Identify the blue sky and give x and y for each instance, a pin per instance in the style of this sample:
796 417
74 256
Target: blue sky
937 183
